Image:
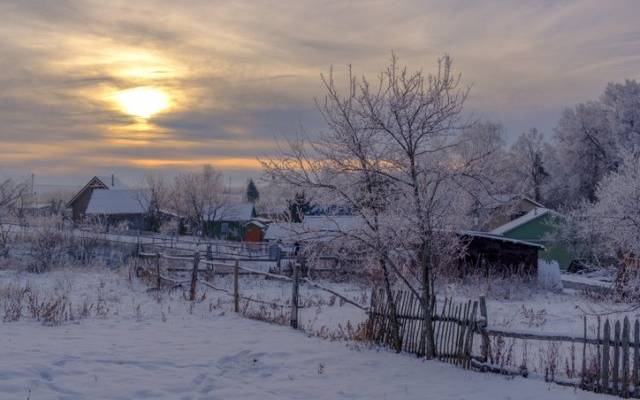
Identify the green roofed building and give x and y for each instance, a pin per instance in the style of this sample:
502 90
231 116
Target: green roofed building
537 226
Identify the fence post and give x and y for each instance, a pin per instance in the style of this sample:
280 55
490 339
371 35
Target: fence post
236 294
605 357
486 343
210 266
294 297
194 276
584 352
625 358
159 280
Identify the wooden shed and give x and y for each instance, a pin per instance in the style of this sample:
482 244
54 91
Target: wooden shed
499 254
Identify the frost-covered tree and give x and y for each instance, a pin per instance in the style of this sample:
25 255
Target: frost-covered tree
393 155
199 197
616 211
586 147
154 196
590 138
623 103
12 195
528 154
298 207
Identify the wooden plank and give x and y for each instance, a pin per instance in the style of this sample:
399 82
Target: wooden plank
584 352
439 328
464 314
599 350
606 335
625 358
236 292
447 330
615 376
486 343
293 320
452 332
415 325
636 358
471 334
194 276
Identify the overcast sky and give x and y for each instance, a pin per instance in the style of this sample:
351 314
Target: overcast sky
239 74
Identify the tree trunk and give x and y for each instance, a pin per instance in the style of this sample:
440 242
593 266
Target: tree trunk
428 341
393 310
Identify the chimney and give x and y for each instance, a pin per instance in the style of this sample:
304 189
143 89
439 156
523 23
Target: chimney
113 180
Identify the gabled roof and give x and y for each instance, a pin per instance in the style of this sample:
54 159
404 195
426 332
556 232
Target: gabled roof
528 217
500 238
117 202
241 212
102 182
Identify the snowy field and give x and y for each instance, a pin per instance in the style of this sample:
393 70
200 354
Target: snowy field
115 340
146 347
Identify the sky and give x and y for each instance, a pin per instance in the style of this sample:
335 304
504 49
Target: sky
131 87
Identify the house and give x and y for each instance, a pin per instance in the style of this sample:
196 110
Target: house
503 208
113 207
231 221
536 226
79 202
485 250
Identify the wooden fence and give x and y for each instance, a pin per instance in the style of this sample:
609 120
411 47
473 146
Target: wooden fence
203 272
453 326
606 355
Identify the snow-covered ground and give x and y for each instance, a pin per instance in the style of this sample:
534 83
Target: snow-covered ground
119 341
222 356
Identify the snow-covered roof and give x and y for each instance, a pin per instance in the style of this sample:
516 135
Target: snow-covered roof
528 217
231 212
99 182
500 238
115 202
322 227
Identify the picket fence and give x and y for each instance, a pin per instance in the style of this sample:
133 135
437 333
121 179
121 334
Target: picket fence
453 326
608 363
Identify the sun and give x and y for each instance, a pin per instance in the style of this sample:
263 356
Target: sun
143 102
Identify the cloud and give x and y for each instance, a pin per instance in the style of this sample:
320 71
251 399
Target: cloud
241 72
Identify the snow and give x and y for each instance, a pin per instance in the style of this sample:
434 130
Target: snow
165 348
549 276
113 202
231 212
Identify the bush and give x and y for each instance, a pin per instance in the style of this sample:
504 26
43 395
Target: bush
549 276
47 246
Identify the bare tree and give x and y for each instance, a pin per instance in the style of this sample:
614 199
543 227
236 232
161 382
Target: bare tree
12 195
199 197
528 155
390 155
154 198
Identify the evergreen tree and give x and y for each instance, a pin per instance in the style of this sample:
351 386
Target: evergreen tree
252 192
